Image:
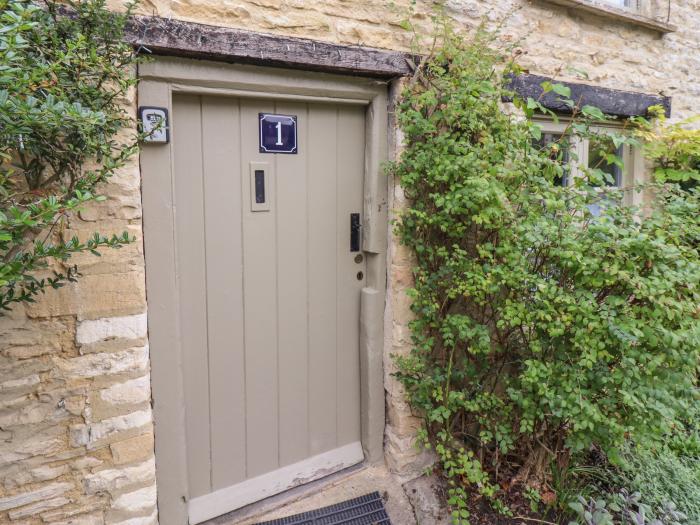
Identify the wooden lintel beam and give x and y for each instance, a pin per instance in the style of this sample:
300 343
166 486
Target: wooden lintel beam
615 102
177 37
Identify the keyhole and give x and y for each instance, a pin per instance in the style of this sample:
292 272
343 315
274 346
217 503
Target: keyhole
360 276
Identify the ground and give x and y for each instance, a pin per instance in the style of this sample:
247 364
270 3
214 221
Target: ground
418 501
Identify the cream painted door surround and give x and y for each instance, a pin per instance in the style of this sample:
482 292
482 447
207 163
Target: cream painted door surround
261 328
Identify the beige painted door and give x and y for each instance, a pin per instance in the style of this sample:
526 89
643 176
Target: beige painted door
269 297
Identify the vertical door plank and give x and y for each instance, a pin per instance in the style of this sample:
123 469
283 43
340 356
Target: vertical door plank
223 204
350 161
322 277
292 293
189 226
260 300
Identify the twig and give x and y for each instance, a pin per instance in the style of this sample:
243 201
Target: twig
535 520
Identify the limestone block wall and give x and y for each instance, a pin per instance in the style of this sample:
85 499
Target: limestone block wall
76 431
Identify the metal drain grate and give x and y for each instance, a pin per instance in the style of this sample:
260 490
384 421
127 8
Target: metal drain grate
365 510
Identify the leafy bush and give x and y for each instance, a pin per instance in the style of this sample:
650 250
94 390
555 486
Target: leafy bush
540 329
63 80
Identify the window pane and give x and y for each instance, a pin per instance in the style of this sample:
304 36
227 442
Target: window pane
600 157
603 155
558 150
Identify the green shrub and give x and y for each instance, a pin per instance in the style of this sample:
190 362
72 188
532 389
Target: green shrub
540 330
63 80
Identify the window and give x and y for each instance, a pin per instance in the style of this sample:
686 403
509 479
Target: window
625 4
597 153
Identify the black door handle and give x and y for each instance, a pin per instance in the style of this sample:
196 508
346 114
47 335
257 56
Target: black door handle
355 227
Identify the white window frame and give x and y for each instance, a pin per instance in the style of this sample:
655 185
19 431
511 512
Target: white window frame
638 12
634 171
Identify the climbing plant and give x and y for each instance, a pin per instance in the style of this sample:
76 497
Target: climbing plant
65 72
673 148
542 328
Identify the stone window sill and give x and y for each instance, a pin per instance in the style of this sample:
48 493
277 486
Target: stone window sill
615 13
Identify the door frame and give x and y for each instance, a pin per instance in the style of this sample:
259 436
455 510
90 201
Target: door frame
159 79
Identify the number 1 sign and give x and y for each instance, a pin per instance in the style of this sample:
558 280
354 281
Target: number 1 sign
278 133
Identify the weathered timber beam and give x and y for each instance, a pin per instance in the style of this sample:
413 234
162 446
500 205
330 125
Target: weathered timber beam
176 37
610 101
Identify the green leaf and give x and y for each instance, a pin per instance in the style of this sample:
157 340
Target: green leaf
561 90
593 112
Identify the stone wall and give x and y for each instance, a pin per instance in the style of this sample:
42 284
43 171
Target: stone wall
76 435
76 432
613 53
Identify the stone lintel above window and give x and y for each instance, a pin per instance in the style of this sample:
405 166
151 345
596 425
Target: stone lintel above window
609 10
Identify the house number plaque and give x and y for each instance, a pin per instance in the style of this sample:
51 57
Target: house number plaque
278 133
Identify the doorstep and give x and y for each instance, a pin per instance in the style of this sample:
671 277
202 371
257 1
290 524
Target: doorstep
344 485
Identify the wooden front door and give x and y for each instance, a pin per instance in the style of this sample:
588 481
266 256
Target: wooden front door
268 290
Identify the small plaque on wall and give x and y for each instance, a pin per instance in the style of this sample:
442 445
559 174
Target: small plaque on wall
155 125
277 133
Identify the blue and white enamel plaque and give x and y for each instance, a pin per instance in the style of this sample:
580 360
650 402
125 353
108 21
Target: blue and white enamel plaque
278 133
